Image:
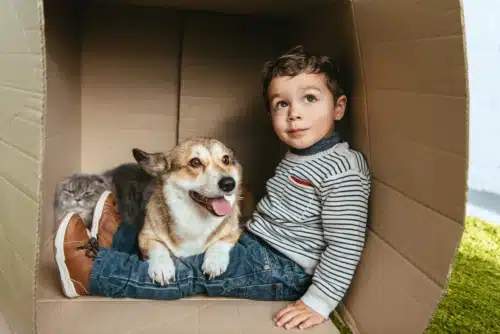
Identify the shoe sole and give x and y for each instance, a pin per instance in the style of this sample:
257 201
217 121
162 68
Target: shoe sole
98 213
68 287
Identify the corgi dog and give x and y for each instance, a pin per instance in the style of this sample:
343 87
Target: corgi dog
194 208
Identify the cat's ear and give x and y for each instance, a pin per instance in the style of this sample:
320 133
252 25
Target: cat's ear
154 164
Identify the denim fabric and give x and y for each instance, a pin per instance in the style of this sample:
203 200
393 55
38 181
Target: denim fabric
125 239
256 271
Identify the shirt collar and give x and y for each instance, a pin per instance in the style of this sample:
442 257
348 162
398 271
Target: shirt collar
323 144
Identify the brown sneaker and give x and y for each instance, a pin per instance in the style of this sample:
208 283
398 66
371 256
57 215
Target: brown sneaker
106 220
74 251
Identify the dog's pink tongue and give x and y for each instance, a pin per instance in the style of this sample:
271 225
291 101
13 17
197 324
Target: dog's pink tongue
220 206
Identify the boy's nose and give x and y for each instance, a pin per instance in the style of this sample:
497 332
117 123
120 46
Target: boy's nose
293 114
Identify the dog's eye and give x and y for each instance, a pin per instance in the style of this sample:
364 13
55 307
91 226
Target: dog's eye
195 163
226 160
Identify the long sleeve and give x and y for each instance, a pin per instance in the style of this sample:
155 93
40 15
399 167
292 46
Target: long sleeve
344 216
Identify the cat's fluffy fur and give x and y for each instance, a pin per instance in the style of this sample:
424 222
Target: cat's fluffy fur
80 192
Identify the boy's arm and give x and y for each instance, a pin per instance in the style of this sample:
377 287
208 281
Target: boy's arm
344 217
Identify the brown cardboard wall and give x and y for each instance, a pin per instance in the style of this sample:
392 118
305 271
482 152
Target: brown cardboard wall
62 154
331 32
95 77
21 110
222 58
418 65
262 7
390 295
407 225
414 67
130 68
62 137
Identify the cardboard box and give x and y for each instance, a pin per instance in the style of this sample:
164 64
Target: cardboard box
82 82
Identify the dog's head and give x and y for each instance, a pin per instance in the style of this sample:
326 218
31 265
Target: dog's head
203 170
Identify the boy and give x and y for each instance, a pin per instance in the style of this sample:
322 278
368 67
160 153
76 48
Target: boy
305 237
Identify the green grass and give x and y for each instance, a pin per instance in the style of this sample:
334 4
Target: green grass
343 329
472 300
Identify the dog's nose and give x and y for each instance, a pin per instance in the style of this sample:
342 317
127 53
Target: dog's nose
227 184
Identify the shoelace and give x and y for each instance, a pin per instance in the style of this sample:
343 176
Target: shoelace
92 248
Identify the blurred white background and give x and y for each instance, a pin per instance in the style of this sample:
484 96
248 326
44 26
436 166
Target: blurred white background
482 21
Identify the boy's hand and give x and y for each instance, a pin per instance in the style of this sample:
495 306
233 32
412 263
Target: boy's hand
298 314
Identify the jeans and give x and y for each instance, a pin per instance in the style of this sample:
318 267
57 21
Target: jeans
256 271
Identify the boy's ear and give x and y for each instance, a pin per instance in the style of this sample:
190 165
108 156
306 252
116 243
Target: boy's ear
340 106
155 164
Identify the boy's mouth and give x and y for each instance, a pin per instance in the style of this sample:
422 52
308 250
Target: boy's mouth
218 206
296 132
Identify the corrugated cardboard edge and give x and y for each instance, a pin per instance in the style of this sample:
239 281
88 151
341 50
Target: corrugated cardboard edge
41 22
467 98
467 133
448 276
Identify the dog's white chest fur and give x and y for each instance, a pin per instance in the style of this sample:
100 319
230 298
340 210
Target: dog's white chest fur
192 228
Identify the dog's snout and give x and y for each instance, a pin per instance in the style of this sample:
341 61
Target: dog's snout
227 184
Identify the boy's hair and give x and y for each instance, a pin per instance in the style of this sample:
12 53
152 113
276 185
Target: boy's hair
297 61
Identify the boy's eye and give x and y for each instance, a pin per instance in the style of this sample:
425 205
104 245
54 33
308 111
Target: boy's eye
281 104
310 98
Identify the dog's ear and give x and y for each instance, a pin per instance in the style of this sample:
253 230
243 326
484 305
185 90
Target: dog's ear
155 164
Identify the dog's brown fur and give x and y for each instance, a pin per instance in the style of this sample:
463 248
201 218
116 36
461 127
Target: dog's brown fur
247 204
160 227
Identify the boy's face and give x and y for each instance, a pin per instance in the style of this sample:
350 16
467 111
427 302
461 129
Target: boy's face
303 109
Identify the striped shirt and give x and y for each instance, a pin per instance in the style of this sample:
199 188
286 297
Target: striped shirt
315 212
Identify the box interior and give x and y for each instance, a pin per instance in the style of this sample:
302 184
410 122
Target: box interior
120 75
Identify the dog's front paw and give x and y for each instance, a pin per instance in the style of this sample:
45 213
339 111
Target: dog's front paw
216 260
161 267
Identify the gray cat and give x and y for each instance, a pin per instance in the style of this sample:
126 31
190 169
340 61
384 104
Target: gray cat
80 192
